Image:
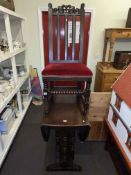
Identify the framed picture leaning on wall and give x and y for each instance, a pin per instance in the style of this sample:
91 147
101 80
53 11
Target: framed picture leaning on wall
8 4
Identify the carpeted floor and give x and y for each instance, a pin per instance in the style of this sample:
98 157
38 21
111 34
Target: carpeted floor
29 154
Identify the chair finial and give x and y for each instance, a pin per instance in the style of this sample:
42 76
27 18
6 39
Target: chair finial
49 5
82 6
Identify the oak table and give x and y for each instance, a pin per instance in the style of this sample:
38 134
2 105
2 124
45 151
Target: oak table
66 119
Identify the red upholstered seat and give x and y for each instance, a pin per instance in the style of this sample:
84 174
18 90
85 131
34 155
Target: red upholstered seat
66 69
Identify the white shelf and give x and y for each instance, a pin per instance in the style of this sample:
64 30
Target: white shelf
8 139
14 15
12 54
7 99
26 107
11 23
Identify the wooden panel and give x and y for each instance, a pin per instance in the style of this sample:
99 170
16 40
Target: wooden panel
98 110
98 80
106 87
98 131
95 131
99 104
111 78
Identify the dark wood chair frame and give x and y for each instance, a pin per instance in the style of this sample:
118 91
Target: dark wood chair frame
83 94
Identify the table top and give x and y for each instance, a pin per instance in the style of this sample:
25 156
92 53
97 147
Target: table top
64 113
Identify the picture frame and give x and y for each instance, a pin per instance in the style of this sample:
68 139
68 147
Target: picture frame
8 4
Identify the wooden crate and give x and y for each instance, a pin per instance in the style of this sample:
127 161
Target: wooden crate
98 110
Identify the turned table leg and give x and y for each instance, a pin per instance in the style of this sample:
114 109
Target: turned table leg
45 96
65 138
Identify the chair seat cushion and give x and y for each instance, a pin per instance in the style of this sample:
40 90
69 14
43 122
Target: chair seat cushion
66 69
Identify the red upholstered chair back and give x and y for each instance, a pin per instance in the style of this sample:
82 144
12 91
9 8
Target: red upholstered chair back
66 30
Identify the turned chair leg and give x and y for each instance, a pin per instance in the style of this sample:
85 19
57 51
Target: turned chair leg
51 96
86 96
86 103
78 95
46 97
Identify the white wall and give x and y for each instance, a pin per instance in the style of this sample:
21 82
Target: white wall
108 14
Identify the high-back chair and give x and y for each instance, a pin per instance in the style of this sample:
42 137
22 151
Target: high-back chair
66 75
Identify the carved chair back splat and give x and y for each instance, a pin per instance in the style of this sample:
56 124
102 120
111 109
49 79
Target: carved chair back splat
68 12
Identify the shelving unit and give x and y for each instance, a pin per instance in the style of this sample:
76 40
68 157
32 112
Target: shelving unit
8 139
7 56
7 99
11 24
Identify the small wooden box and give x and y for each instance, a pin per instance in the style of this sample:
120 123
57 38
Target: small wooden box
106 75
122 59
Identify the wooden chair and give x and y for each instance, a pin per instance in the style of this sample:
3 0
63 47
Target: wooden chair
66 75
